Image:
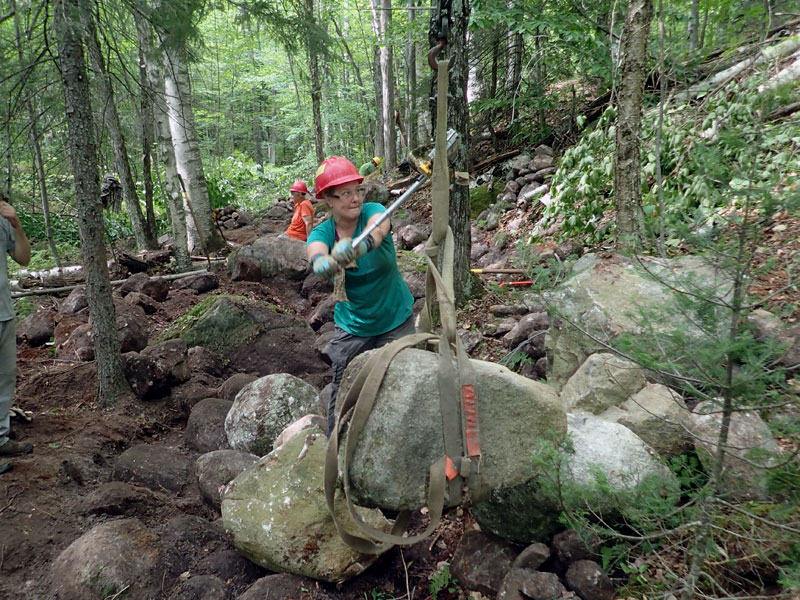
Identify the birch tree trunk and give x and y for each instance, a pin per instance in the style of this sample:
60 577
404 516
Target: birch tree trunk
627 162
110 378
377 74
411 79
161 117
187 152
118 146
387 86
37 150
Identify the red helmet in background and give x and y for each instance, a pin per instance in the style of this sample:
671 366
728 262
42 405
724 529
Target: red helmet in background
299 186
335 171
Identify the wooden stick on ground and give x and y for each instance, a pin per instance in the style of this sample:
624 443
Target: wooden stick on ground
69 288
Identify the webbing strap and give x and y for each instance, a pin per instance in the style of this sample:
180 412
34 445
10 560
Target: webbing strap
357 406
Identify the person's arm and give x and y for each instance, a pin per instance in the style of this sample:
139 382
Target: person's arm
22 247
308 219
381 231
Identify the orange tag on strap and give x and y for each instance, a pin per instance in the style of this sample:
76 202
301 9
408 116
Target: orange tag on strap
472 435
450 468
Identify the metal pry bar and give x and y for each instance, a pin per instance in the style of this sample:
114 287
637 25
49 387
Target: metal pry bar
452 139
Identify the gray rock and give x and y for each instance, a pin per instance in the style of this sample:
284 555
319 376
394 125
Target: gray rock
75 302
532 557
200 587
658 416
231 567
278 518
111 557
281 586
524 328
201 282
602 381
79 345
480 561
588 580
152 372
750 448
153 466
323 313
528 512
205 429
315 286
217 469
130 326
37 329
508 310
504 326
541 161
205 360
568 548
245 269
409 236
605 295
143 301
471 339
513 411
322 344
527 584
275 255
233 384
263 408
155 287
117 498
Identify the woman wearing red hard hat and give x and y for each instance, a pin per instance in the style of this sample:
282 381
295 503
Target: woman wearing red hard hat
303 216
379 305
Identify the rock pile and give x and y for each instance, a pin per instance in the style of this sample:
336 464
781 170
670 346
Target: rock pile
230 218
527 178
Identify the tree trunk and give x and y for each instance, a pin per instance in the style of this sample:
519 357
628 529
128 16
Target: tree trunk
172 190
144 240
693 26
376 79
146 106
316 87
187 152
411 79
37 150
627 162
458 118
387 84
110 378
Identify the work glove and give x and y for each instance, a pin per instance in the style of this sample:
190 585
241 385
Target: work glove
324 266
344 252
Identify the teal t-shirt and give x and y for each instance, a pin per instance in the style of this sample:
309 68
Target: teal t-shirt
378 298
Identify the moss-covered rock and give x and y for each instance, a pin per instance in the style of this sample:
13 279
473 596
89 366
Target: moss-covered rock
480 197
277 515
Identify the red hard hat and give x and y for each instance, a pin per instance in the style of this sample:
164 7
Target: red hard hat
299 186
335 171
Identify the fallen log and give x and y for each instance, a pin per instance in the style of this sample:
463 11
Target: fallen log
493 160
69 288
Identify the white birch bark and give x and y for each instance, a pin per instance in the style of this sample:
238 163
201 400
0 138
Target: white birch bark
187 153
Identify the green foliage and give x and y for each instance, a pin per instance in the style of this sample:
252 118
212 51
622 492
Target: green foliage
442 581
24 307
480 198
704 155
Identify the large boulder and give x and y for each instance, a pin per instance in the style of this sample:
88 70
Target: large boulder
253 336
156 467
403 435
750 449
658 416
529 512
205 429
75 302
603 380
278 518
114 558
263 408
612 295
275 255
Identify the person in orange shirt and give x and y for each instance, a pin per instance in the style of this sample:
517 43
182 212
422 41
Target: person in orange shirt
303 216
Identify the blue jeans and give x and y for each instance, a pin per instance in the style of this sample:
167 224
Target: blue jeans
345 346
